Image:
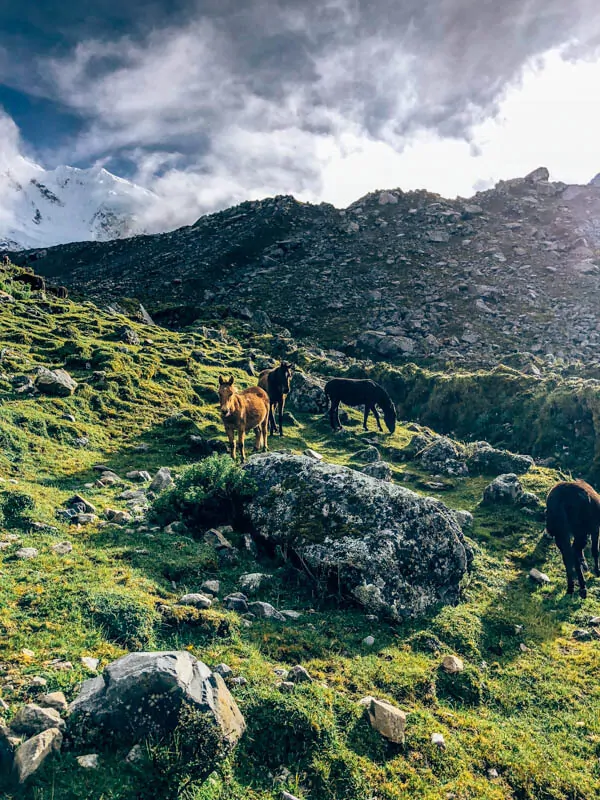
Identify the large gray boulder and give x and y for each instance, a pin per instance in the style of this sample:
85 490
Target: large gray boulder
485 459
444 456
306 394
504 490
56 382
142 695
394 552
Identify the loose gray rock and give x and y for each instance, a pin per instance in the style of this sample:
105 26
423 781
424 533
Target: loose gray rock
485 459
452 664
141 695
368 454
235 603
465 520
135 755
57 383
445 457
252 581
55 700
380 470
265 611
299 674
90 761
62 548
162 480
80 504
438 740
223 670
33 719
33 753
385 718
196 600
504 490
90 663
24 553
538 577
216 539
212 587
393 551
306 394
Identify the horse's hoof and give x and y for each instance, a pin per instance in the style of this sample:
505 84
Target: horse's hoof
583 593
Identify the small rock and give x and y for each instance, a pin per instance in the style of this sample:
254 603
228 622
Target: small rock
452 664
90 663
162 480
385 718
252 581
27 653
523 648
313 454
538 577
265 611
492 773
289 614
438 740
175 528
595 621
223 670
216 539
88 762
33 719
298 674
234 602
212 587
25 553
369 641
287 686
81 504
31 754
62 548
581 635
85 519
4 705
139 475
196 600
135 755
38 682
55 700
57 383
241 681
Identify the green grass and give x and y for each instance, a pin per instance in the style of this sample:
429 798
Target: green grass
533 714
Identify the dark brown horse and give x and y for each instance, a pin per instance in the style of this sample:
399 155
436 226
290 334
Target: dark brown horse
35 281
354 392
58 291
276 383
573 514
242 412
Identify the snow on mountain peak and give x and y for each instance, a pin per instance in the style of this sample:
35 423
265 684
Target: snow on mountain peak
41 208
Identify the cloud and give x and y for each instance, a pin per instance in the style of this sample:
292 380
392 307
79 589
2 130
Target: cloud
14 168
274 96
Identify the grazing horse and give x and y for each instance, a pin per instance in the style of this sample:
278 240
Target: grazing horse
5 261
360 393
573 514
244 411
276 383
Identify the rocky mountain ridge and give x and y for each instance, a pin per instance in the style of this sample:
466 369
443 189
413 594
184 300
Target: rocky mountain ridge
397 275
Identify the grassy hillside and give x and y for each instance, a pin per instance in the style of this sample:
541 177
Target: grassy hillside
528 705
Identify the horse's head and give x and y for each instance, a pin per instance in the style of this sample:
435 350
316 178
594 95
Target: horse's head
389 417
285 373
226 392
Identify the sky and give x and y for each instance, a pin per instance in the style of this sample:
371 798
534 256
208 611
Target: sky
212 102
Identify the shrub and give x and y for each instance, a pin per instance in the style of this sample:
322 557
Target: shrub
125 620
16 507
208 493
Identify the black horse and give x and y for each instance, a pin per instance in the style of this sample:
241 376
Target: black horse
359 393
276 383
573 514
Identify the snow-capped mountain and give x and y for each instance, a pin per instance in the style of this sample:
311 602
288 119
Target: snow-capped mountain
41 208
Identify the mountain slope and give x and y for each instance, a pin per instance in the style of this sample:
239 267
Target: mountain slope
396 275
41 208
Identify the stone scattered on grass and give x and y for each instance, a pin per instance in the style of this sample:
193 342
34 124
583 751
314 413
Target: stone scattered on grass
162 480
196 600
582 635
504 490
452 664
538 577
216 539
89 761
37 682
313 454
62 548
212 587
299 674
55 700
369 641
236 602
438 740
386 719
135 755
33 719
57 383
252 581
31 754
25 553
90 663
492 773
265 611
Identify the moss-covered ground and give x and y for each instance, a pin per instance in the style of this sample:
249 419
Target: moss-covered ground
527 705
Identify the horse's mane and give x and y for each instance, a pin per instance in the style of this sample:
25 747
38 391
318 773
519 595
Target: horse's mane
383 399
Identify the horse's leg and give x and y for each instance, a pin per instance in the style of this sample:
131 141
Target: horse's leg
332 413
366 417
265 431
567 556
281 407
338 424
377 418
242 442
595 534
272 425
231 436
578 545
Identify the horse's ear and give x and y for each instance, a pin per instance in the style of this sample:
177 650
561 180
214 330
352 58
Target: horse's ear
230 381
221 381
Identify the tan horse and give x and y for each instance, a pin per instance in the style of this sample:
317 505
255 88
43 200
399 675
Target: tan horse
244 411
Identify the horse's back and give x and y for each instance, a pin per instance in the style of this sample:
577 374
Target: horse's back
351 390
574 504
256 405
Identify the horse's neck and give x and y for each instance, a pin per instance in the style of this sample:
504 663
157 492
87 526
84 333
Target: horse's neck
233 406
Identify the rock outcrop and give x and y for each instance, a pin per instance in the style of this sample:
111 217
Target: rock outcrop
391 550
